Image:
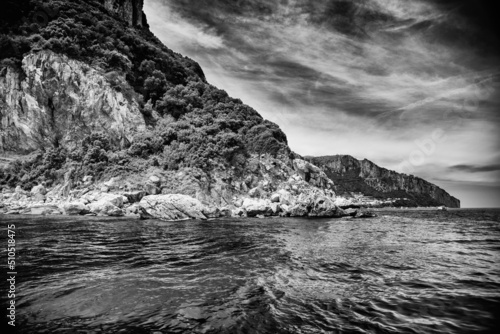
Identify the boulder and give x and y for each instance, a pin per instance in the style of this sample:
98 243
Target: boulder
74 208
104 207
173 207
254 192
155 180
152 189
39 189
116 200
275 198
323 207
225 212
211 212
254 207
285 197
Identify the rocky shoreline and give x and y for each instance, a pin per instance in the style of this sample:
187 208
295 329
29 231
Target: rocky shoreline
294 198
271 188
169 207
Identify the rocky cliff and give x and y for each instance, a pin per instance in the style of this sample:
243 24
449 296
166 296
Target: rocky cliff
100 116
55 101
351 175
128 10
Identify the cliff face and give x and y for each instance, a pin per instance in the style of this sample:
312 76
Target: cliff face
55 101
352 175
129 10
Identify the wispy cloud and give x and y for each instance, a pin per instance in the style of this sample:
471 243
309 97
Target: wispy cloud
476 169
366 78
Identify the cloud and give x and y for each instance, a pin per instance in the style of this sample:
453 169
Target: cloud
181 31
476 169
367 78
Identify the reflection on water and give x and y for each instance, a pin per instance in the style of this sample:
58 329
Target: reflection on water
403 272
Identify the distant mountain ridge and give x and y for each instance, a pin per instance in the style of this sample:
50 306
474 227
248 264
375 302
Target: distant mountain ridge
351 175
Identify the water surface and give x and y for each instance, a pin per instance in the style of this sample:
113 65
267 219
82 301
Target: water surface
402 272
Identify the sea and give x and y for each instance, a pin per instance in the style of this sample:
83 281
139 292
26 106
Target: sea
418 271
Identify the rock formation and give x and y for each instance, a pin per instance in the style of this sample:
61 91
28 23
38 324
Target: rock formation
351 176
55 100
128 10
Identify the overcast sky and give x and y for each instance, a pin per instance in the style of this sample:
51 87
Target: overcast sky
413 86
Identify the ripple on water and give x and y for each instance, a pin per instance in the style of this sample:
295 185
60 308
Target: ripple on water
399 273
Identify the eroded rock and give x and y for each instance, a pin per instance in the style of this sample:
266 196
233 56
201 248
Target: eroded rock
254 207
173 207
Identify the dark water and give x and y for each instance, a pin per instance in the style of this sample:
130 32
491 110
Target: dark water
403 272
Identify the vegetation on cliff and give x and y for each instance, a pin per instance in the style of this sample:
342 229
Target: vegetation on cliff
191 123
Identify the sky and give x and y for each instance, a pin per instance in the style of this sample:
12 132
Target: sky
413 86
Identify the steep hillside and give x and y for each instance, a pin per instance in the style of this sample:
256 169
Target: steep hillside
363 176
91 102
95 67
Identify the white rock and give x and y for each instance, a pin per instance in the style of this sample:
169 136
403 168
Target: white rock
39 189
285 197
275 198
173 207
83 91
116 200
74 208
155 179
105 208
254 207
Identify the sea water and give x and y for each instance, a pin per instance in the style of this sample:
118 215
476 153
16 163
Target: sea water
401 272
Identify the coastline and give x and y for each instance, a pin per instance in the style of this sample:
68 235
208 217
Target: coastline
170 207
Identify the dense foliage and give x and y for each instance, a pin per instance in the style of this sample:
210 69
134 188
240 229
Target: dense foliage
192 123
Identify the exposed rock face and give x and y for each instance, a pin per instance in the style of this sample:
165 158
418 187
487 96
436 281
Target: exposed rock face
129 10
352 175
173 207
56 101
